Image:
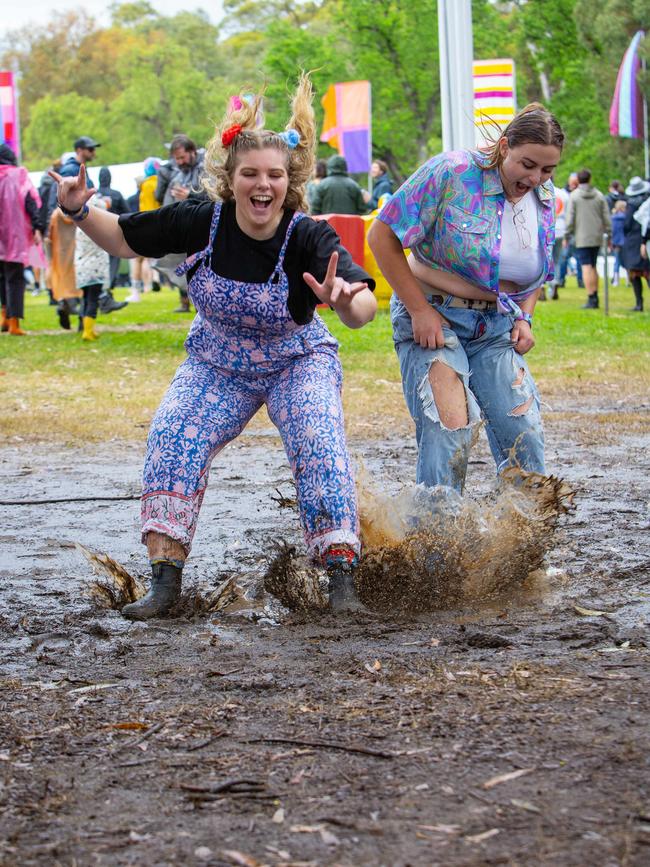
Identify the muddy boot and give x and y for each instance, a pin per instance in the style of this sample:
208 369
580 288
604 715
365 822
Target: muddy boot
341 591
163 594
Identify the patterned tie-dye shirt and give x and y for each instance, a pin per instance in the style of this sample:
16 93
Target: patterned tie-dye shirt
449 214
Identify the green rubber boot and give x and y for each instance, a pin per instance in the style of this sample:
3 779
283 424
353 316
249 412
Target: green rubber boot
163 594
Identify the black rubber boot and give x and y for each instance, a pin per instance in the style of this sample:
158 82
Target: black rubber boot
108 304
637 285
341 590
63 312
592 302
163 594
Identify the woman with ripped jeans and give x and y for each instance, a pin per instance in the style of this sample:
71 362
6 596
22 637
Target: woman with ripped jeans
480 229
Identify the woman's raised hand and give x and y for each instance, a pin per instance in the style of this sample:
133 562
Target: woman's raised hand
73 193
333 290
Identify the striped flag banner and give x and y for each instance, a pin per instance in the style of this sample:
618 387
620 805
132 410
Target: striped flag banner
626 112
8 112
346 125
495 98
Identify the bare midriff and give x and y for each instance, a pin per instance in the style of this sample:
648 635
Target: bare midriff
435 278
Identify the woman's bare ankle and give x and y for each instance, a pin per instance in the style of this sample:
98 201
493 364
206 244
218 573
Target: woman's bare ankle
161 547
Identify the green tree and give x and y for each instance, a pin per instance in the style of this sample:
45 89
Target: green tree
55 123
162 94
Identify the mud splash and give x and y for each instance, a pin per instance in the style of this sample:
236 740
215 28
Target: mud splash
116 587
429 548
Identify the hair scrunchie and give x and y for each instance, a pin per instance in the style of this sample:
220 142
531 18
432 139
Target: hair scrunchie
291 137
230 134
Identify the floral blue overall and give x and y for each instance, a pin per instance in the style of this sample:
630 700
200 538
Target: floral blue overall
245 350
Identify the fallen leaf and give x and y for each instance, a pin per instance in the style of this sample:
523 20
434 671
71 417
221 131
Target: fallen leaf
478 838
281 853
504 778
588 612
239 858
95 687
441 829
525 805
619 649
306 829
278 816
328 838
435 642
128 726
203 853
375 667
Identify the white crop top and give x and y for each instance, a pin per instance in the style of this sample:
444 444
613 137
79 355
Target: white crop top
521 257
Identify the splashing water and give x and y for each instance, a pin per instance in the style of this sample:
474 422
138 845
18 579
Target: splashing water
430 548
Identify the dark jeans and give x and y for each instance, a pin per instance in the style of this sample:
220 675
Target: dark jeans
90 300
12 288
560 256
571 251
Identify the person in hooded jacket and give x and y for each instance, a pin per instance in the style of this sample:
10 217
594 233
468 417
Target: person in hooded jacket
588 219
338 193
633 254
115 203
20 229
142 275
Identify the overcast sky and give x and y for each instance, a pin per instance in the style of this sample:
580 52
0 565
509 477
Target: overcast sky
40 12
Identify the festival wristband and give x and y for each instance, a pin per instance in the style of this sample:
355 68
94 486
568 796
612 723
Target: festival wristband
81 215
67 211
525 317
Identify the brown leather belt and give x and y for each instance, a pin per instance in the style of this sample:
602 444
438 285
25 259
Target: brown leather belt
468 303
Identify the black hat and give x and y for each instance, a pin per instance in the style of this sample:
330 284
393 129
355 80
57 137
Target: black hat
86 142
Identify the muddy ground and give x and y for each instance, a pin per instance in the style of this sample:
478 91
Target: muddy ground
513 732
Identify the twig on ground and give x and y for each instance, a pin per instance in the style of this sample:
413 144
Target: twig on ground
325 745
137 741
66 500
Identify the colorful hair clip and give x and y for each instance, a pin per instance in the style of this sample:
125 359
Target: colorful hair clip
230 134
291 137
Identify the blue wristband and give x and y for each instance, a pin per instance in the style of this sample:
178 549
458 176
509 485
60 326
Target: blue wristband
525 317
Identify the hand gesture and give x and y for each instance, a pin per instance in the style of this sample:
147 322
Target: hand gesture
73 193
335 291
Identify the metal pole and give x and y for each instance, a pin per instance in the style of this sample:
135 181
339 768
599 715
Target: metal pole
605 249
456 82
646 158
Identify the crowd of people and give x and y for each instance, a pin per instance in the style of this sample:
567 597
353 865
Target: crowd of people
59 269
467 244
589 223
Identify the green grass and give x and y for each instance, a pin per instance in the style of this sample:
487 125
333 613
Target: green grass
56 387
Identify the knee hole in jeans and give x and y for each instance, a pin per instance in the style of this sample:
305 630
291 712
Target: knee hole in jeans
448 390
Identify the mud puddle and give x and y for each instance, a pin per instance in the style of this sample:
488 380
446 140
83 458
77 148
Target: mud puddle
510 729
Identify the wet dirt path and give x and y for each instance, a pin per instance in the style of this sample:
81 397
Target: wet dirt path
516 733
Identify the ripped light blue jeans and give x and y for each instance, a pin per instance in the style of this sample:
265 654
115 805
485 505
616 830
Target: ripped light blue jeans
498 386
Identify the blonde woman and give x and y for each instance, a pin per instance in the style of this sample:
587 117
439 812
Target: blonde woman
258 267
